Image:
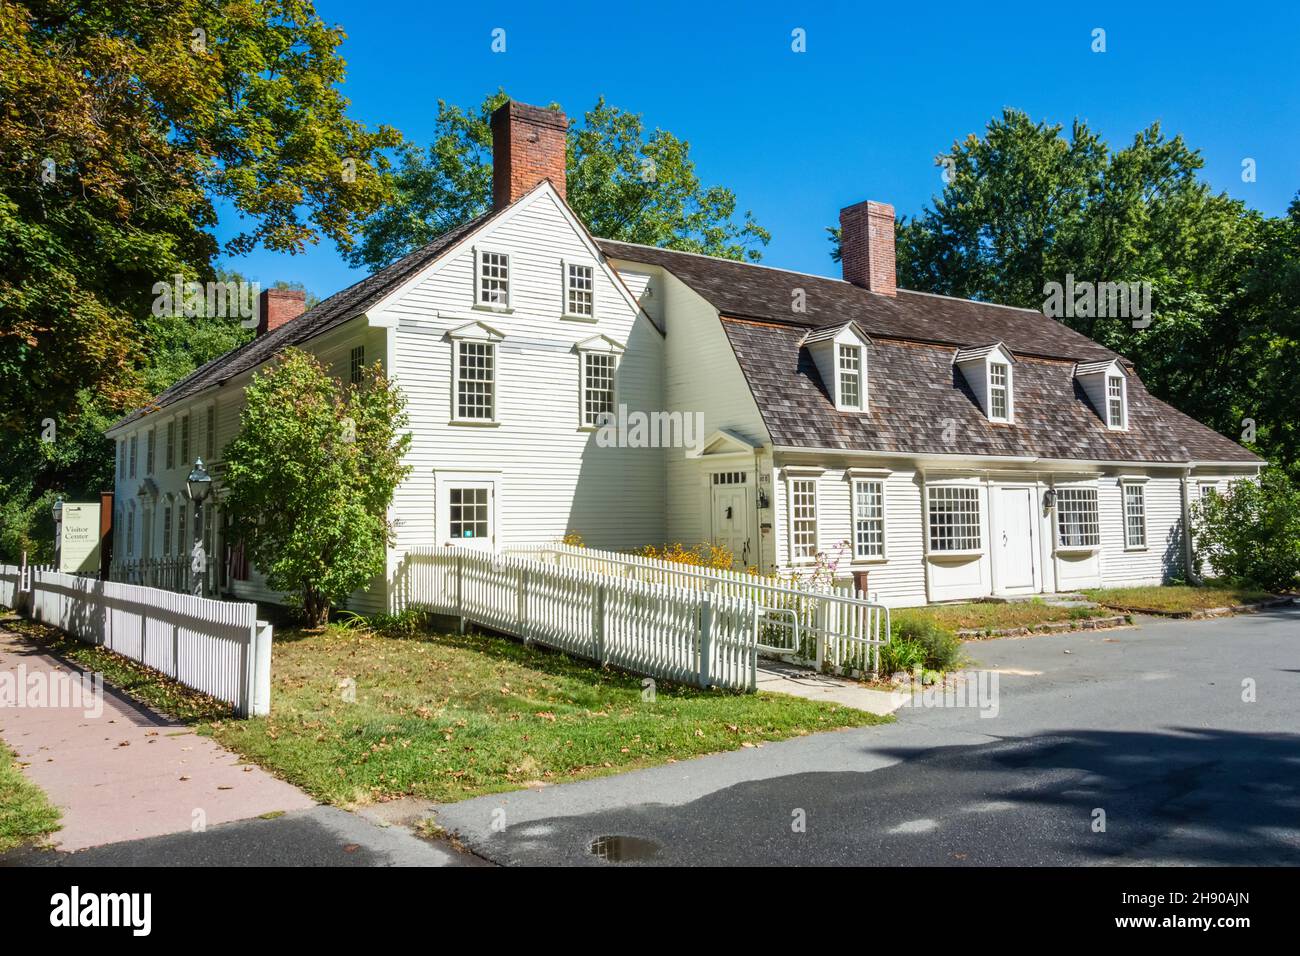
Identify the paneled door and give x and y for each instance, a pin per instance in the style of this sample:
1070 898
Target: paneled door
1013 540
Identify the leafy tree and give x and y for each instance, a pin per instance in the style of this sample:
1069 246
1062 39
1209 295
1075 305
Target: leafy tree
1251 535
122 125
623 184
311 475
1024 205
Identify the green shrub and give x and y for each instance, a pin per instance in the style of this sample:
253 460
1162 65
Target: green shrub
939 646
901 655
1251 535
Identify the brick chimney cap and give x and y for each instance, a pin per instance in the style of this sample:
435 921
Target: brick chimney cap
537 115
871 206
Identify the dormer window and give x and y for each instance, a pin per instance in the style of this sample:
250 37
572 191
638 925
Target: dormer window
1115 411
999 392
850 376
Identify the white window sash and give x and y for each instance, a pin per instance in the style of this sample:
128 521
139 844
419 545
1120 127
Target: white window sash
877 520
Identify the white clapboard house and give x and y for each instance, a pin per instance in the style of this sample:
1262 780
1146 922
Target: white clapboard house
948 448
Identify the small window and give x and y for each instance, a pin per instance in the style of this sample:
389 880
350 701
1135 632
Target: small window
1077 523
1208 491
356 363
476 381
182 542
954 513
210 434
999 392
171 445
121 459
149 443
803 519
494 279
135 453
850 369
868 519
580 290
1115 401
469 516
130 533
1135 516
167 531
597 386
185 442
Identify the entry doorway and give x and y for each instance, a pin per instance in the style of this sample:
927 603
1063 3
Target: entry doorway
1013 541
733 515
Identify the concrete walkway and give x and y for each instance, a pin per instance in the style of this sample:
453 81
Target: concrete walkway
781 678
127 773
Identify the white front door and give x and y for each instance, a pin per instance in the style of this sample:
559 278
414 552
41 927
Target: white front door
731 520
1013 540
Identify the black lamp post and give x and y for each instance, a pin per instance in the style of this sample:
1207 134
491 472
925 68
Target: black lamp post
58 533
198 486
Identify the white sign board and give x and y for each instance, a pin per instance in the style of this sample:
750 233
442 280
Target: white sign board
79 543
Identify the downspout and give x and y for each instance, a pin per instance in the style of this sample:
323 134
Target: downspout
1189 558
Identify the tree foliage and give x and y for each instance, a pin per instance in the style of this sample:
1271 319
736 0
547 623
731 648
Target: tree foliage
1251 535
1025 205
310 477
623 182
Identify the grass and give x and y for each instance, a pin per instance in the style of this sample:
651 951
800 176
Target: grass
1174 598
986 616
446 717
25 813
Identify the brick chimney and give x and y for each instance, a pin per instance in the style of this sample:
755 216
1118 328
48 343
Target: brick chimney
867 246
278 306
527 146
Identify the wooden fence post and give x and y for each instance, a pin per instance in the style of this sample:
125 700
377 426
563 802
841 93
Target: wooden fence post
598 625
706 639
460 585
521 604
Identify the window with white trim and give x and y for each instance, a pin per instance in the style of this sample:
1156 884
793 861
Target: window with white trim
597 386
868 518
1208 490
130 532
1115 401
999 391
1077 522
167 531
150 441
579 290
954 512
850 374
1135 515
356 362
121 458
182 545
494 278
171 445
185 442
469 516
135 453
803 519
476 381
210 434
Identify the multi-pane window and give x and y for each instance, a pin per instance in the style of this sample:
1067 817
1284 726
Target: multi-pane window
868 519
209 521
494 278
1077 523
850 368
999 393
167 531
597 386
469 517
356 363
954 513
135 453
121 458
803 519
130 532
149 442
475 381
210 434
580 286
1115 401
185 441
182 535
1208 491
171 445
1135 515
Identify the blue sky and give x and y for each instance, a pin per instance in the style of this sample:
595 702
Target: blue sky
880 91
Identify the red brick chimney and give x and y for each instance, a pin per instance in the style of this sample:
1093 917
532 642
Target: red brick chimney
867 246
527 146
278 306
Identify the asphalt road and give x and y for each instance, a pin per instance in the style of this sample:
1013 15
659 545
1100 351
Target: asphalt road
1132 746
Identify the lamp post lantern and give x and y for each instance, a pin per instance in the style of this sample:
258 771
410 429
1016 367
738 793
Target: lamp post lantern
198 486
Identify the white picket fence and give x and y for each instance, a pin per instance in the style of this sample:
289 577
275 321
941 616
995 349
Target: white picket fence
679 634
217 647
839 627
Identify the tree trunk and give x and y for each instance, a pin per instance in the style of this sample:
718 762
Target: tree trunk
315 608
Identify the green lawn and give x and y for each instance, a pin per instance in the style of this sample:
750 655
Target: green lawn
1175 597
983 616
25 813
445 717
